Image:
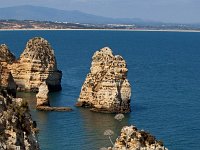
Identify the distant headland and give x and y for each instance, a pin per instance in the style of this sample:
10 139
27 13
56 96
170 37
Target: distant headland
12 24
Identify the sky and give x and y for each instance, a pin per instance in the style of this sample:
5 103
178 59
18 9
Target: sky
170 11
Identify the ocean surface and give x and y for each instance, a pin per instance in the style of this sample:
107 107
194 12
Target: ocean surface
164 71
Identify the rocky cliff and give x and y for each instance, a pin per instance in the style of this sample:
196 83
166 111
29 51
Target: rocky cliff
133 139
6 78
17 130
106 87
36 64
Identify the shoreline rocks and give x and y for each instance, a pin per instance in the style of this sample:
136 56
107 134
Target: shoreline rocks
17 129
106 87
133 139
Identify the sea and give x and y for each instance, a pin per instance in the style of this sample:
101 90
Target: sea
164 72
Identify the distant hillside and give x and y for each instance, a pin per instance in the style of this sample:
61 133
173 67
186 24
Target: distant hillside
28 12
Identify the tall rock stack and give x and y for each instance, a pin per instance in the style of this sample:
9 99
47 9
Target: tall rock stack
36 64
106 87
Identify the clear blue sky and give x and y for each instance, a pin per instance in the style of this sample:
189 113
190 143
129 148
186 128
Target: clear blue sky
182 11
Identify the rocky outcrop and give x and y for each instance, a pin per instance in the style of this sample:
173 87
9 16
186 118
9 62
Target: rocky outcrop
6 55
37 64
17 130
133 139
6 78
106 87
42 95
43 103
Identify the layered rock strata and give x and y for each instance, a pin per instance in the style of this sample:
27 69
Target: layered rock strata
6 55
106 87
6 78
133 139
17 130
36 64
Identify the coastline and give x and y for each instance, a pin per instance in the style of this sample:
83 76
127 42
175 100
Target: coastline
128 30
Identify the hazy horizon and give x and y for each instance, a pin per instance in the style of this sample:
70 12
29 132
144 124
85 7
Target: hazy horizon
170 11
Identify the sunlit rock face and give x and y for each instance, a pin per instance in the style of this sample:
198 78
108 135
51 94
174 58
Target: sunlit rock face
36 64
42 95
106 87
17 129
133 139
6 55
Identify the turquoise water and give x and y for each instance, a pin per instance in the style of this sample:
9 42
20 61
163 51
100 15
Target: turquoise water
164 74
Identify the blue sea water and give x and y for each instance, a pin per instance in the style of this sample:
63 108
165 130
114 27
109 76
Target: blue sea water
164 71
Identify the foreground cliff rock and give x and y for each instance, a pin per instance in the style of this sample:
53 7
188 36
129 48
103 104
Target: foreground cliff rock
106 87
133 139
36 64
17 130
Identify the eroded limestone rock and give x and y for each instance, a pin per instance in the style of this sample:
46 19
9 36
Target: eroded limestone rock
106 87
133 139
36 64
17 130
5 54
42 95
6 78
43 103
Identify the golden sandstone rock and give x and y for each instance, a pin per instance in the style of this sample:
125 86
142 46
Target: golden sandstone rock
106 87
36 64
133 139
6 78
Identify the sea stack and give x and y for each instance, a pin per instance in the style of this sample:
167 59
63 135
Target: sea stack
37 64
106 87
133 139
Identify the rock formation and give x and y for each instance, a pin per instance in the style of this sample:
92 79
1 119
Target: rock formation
17 130
43 100
106 88
42 95
6 78
133 139
5 54
36 64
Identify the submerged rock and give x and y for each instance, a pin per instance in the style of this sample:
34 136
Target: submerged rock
17 129
106 87
133 139
36 64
